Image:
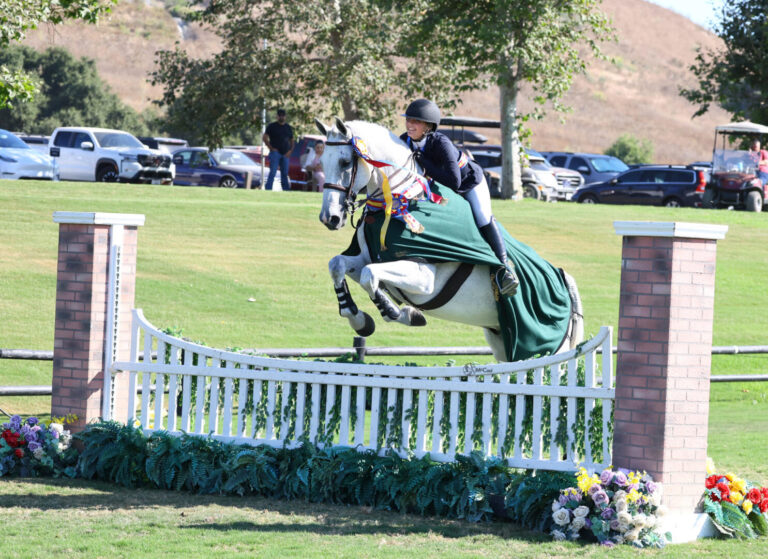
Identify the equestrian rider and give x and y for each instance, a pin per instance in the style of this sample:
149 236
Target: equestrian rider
443 163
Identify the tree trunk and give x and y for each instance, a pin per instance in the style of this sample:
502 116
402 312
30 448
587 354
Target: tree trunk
511 182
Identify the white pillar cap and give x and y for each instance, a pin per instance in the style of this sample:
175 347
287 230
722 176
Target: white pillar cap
670 229
98 218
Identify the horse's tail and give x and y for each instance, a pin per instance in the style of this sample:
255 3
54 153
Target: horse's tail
576 326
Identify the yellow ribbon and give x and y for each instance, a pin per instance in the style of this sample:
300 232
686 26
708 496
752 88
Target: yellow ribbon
387 209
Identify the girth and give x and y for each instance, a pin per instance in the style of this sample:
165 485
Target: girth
450 288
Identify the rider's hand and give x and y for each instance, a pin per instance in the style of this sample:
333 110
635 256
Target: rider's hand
418 157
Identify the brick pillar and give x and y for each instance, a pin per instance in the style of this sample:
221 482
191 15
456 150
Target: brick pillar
93 319
664 354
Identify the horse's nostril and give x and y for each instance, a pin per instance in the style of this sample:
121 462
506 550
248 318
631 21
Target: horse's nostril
334 222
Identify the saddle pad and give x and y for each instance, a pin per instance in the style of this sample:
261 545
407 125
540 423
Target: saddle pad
533 322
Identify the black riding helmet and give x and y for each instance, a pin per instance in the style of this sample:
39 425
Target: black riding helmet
425 111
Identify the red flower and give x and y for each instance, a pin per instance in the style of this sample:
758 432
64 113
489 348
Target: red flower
755 496
764 505
723 489
18 452
711 481
764 491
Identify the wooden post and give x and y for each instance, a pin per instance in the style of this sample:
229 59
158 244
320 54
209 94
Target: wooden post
95 288
664 357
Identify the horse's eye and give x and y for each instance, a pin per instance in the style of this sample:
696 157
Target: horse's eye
344 162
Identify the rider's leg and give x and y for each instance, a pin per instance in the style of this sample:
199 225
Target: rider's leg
480 201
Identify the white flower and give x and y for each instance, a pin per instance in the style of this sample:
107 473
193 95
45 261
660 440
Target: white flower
38 453
639 520
618 539
656 498
577 524
661 511
574 535
619 495
581 512
556 505
624 518
561 517
558 535
58 427
650 521
632 535
621 506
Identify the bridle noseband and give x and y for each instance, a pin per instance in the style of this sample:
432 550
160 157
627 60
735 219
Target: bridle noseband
350 205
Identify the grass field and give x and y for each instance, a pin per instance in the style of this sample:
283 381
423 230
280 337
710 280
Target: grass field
204 253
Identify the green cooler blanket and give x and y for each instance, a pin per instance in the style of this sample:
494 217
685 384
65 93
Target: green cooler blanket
533 322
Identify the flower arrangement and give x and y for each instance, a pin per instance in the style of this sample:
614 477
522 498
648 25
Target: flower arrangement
613 508
738 508
29 448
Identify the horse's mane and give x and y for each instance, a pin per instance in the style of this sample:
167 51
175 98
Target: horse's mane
373 134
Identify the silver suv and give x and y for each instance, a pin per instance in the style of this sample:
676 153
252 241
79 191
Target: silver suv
594 167
100 154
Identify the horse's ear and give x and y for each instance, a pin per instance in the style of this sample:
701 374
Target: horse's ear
341 127
322 127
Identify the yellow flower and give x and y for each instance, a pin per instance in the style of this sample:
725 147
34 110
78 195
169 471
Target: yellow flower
736 497
635 477
585 481
710 466
729 476
739 485
633 496
747 506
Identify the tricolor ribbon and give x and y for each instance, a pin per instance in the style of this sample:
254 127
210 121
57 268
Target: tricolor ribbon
402 196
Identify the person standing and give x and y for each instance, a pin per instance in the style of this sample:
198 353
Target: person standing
760 157
278 137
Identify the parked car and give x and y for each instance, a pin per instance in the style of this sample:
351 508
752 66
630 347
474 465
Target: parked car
538 176
104 155
225 168
167 145
594 167
35 141
661 185
20 161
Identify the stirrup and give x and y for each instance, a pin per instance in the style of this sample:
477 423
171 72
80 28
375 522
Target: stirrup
506 281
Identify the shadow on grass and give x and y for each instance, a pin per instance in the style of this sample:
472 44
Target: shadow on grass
320 518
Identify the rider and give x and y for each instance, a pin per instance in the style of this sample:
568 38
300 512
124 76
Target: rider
444 163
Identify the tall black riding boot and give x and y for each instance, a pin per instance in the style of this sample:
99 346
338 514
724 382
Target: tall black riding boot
506 279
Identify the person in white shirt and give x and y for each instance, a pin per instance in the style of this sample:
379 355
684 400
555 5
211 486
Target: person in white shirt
314 167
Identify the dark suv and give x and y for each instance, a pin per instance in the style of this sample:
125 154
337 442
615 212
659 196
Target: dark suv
658 185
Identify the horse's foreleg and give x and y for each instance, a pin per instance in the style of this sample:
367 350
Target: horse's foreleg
361 322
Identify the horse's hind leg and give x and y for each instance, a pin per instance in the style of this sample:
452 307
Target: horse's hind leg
403 275
496 344
576 326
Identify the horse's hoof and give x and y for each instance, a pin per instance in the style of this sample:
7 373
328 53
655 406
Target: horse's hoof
415 317
368 328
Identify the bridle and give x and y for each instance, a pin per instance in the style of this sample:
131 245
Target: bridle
350 203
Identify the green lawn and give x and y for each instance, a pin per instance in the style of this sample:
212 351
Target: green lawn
204 253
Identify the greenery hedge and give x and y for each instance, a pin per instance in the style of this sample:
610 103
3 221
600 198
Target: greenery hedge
466 488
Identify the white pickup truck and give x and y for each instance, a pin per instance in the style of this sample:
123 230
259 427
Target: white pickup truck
100 154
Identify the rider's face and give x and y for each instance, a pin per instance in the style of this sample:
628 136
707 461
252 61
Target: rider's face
416 128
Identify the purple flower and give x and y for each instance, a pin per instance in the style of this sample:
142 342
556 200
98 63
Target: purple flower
607 513
55 434
600 498
15 422
587 522
620 478
606 477
34 445
614 525
594 489
651 487
562 499
32 421
607 543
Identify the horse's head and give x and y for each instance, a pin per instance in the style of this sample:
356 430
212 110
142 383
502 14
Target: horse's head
345 174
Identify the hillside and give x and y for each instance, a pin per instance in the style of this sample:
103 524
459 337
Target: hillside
638 95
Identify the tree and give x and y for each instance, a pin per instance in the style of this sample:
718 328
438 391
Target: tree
19 16
316 59
510 42
736 75
631 150
70 92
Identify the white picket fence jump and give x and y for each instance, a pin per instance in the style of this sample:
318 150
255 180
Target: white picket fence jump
507 410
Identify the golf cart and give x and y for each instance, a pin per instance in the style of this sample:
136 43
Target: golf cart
734 182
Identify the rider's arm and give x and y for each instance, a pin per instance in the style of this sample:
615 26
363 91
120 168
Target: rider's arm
440 162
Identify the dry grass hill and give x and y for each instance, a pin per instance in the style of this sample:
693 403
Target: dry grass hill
638 95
